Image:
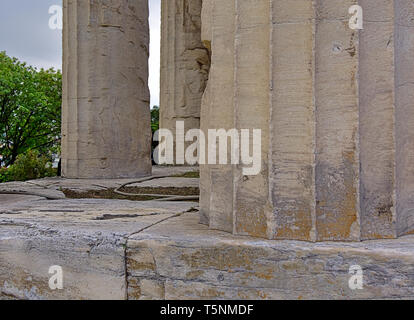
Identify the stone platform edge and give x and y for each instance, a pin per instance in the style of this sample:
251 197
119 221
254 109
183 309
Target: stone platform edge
177 258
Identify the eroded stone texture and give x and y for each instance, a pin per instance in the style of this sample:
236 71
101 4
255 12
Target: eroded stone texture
404 115
184 64
179 259
216 185
377 119
165 256
335 114
86 237
251 111
292 121
106 119
336 98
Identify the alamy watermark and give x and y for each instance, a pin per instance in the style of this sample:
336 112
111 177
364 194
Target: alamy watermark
56 18
217 146
356 22
356 282
56 279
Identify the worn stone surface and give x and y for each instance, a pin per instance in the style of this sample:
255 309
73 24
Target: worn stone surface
404 115
87 238
136 254
50 188
251 111
334 110
31 188
292 121
216 184
184 64
106 117
336 98
180 259
377 120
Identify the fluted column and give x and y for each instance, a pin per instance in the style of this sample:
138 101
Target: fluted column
218 113
292 120
184 64
106 119
335 107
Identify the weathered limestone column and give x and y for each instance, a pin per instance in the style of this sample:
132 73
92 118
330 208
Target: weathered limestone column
404 115
216 186
252 110
292 120
184 64
336 109
377 87
106 117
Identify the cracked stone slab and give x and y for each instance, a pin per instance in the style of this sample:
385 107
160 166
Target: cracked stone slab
87 238
25 188
173 170
122 216
118 249
7 200
84 185
180 259
170 183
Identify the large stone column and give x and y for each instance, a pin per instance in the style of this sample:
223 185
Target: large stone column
184 64
335 107
106 117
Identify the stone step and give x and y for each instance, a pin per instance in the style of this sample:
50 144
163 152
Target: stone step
149 250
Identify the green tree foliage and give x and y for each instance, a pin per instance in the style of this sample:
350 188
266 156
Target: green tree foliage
30 109
28 166
155 125
155 119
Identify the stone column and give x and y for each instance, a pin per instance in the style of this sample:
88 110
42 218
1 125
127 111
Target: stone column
335 107
292 120
403 42
184 64
106 117
216 186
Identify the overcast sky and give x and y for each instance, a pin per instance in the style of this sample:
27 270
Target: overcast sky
25 34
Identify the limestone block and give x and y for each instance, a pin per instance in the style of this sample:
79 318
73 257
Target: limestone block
24 188
190 262
170 256
106 117
90 270
87 238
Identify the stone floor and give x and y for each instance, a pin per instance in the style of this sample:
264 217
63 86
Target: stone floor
121 249
50 187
